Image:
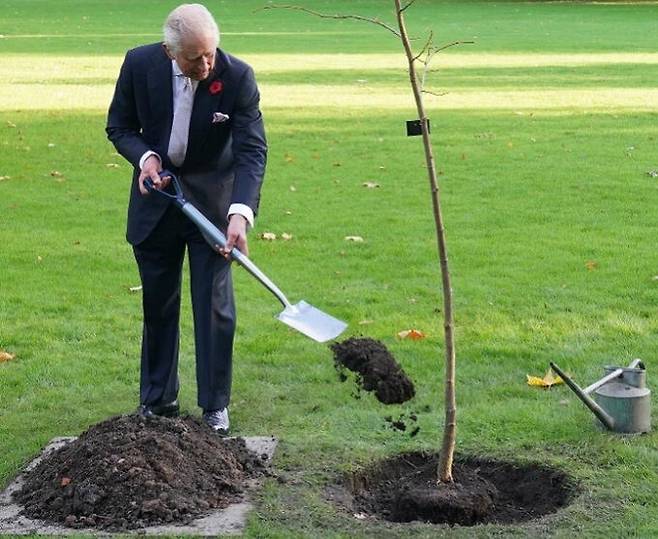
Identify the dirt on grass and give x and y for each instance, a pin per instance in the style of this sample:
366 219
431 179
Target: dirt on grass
130 472
404 488
376 368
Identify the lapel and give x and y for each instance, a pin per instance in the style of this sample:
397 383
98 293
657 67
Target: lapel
205 103
160 91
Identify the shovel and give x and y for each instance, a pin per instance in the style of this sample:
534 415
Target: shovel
302 316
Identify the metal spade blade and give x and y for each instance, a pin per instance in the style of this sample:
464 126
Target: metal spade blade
312 322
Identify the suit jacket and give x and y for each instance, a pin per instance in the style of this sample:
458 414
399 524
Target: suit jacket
225 161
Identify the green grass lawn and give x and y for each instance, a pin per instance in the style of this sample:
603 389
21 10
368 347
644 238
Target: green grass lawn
550 221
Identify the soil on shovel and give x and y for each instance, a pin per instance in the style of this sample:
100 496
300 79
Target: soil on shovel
129 472
404 489
376 367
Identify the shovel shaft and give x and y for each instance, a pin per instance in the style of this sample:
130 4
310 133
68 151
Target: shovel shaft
214 237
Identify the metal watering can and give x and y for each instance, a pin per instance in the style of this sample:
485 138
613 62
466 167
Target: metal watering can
622 402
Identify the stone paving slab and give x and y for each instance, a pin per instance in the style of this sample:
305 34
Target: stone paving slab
228 521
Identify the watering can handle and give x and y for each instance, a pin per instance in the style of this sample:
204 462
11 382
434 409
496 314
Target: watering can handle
599 412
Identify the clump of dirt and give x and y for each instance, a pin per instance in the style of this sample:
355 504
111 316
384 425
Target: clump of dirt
130 472
404 488
404 423
376 367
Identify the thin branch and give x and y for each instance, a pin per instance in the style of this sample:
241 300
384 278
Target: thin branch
326 16
437 94
427 45
408 4
439 49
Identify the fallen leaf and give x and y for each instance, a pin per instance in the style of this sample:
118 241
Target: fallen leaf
288 212
65 481
293 188
365 322
10 124
371 185
360 516
2 178
413 334
39 259
591 265
51 145
286 236
548 380
56 174
289 158
135 288
269 236
653 173
112 165
353 238
6 356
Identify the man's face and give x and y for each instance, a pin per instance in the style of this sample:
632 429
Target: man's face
197 56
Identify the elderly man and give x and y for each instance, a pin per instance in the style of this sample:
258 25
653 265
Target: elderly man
186 106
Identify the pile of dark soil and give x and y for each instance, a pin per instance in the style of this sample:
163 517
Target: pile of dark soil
404 488
129 472
376 367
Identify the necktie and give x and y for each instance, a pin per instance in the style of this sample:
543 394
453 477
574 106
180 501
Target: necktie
181 124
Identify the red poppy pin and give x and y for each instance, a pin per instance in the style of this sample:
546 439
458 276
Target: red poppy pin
215 87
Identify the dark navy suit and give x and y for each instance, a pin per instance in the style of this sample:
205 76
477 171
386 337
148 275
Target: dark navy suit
224 164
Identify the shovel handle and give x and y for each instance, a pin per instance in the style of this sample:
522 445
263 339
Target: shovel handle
212 234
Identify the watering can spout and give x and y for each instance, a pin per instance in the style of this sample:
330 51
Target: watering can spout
599 412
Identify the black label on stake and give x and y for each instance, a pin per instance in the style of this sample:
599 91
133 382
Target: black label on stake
414 129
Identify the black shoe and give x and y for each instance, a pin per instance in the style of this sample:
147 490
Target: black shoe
217 420
171 409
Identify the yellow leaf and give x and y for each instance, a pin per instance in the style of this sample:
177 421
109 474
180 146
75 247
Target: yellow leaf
56 174
371 185
112 165
548 380
413 334
269 236
6 356
591 265
354 238
286 236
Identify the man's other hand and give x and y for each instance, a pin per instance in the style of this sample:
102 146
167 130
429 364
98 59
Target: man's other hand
151 169
236 236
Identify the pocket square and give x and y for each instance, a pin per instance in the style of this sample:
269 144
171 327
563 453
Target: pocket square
219 117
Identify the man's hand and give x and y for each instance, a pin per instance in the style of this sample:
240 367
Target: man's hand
236 236
151 169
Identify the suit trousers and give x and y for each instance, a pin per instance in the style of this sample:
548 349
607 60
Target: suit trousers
160 261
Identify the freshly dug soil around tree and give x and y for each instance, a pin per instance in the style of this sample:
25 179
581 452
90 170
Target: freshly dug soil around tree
376 367
403 489
129 472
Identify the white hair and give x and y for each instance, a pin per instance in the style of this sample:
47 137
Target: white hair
188 20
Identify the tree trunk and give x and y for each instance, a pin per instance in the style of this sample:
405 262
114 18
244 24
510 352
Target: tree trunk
450 427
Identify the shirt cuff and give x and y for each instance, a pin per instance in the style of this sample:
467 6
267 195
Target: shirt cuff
244 210
146 156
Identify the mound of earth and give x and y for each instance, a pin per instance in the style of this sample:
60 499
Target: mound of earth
403 488
129 472
376 367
